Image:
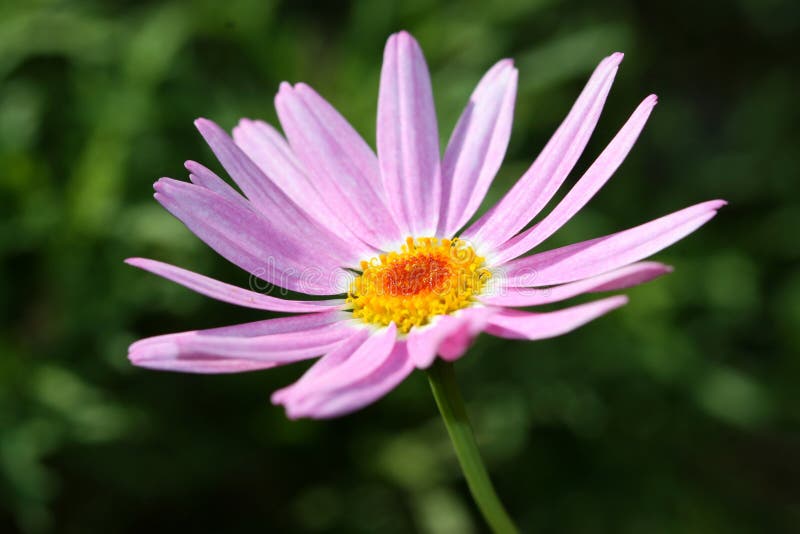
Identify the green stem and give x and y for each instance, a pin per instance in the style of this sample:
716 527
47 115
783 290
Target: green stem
448 398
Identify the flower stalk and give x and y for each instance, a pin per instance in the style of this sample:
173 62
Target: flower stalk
442 378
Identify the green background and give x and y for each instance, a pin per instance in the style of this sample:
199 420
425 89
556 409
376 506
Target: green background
677 413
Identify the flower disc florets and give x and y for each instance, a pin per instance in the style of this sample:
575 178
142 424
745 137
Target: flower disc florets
426 278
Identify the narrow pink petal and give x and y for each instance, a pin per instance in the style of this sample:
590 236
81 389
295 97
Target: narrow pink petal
340 369
275 348
456 344
296 256
629 276
538 185
186 352
477 146
453 333
515 324
281 325
331 360
229 293
270 151
360 393
408 139
342 167
204 177
423 343
265 195
272 154
362 362
589 184
356 392
207 366
603 254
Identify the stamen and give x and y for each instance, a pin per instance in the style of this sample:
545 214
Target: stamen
426 278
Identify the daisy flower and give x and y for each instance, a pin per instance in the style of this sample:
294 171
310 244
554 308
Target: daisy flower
385 236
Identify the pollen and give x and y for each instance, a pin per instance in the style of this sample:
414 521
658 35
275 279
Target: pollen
426 278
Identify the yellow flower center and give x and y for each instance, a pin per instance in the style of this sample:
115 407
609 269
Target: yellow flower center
426 278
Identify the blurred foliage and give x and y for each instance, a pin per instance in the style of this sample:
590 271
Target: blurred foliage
678 413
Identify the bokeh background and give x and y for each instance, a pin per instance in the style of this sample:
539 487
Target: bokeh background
678 413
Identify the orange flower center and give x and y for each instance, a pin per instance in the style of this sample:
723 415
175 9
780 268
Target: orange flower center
426 278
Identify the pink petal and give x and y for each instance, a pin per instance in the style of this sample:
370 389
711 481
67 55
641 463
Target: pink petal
338 370
477 146
456 345
362 362
603 254
322 366
244 347
296 256
423 343
270 151
276 348
281 325
589 184
190 352
538 185
207 366
408 139
394 369
449 336
515 324
204 177
229 293
264 194
343 168
632 275
357 392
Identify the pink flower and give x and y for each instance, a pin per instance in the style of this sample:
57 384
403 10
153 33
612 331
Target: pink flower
385 235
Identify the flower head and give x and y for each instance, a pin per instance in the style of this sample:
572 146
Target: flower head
427 278
386 237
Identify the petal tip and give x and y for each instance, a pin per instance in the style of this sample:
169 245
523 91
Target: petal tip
283 96
717 204
161 185
139 354
610 63
294 413
390 43
158 185
278 397
302 86
201 123
613 303
208 129
135 261
406 41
